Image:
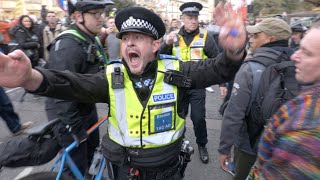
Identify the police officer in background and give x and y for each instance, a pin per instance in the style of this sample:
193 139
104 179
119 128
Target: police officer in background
298 31
146 94
193 44
78 50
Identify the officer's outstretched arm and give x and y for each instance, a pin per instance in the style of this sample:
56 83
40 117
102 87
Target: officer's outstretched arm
16 71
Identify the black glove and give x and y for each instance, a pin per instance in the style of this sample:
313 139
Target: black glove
77 133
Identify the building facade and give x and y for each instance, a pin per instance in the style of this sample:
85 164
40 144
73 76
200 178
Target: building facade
167 9
10 9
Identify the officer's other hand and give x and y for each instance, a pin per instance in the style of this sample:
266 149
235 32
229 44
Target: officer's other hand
220 13
222 161
170 37
232 36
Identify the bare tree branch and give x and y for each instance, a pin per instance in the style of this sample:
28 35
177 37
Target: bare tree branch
314 2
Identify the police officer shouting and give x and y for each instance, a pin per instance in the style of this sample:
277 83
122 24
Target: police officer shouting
77 50
147 117
193 44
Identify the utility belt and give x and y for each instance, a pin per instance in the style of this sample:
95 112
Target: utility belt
155 158
171 170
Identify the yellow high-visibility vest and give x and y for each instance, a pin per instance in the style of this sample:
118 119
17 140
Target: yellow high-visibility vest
155 125
193 52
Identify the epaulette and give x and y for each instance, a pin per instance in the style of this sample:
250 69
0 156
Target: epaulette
114 61
166 56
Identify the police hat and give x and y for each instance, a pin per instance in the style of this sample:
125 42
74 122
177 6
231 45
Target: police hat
139 19
86 5
298 28
191 8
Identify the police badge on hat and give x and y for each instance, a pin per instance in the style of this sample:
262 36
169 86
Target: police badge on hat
191 8
139 19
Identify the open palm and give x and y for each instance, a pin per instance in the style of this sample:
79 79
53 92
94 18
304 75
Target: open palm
229 21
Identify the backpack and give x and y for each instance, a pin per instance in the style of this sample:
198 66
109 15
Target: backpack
274 83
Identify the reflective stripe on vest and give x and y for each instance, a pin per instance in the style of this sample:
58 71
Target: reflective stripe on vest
158 124
195 51
99 50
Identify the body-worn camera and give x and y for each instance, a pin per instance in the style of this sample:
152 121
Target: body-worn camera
91 54
176 78
117 78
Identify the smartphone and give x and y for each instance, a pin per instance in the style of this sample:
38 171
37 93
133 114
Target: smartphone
230 166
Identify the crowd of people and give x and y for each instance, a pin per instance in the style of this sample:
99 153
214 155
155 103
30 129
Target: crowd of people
143 48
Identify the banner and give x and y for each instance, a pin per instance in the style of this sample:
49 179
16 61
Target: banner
63 5
239 7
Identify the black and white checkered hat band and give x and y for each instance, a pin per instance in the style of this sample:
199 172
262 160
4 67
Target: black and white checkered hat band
133 23
188 9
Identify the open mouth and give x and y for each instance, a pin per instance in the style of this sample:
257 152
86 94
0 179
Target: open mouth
133 57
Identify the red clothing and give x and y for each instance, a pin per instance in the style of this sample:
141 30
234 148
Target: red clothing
4 27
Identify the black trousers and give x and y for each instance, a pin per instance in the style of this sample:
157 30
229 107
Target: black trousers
197 101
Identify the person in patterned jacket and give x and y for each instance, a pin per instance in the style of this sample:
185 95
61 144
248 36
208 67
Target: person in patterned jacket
289 148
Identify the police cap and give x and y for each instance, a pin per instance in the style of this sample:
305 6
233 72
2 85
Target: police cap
86 5
139 19
191 8
298 28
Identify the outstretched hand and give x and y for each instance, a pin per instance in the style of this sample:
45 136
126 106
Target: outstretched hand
16 71
233 34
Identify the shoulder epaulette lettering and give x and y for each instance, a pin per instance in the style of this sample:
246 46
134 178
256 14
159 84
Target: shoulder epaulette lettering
166 56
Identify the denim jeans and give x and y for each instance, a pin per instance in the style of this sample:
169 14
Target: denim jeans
7 112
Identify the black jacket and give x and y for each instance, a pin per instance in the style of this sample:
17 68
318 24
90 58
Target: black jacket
210 47
28 41
70 54
93 88
234 128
